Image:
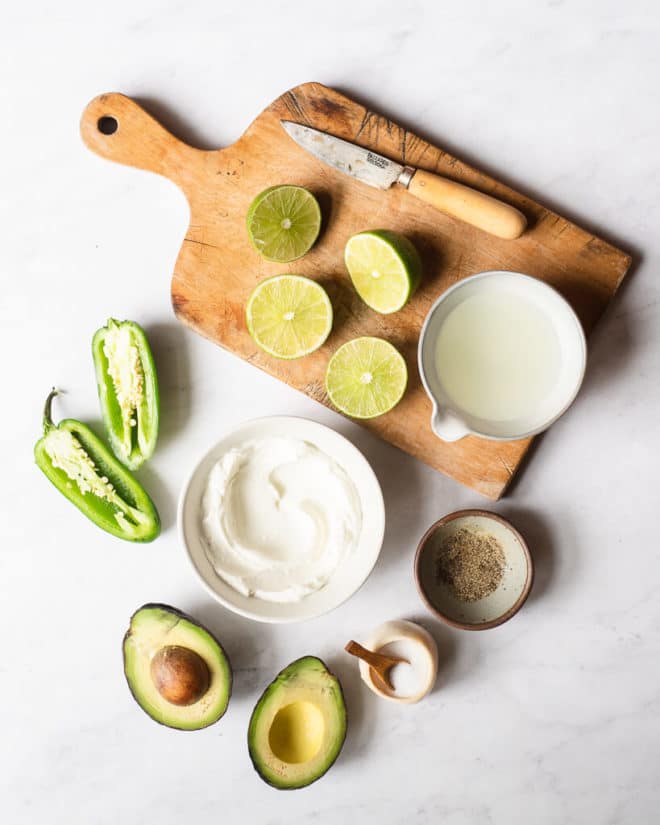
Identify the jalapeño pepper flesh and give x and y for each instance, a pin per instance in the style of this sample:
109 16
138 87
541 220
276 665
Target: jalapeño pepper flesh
83 469
128 390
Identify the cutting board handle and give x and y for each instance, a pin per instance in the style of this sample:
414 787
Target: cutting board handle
115 127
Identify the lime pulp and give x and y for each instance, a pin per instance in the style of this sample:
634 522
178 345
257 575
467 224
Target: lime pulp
289 316
283 222
366 377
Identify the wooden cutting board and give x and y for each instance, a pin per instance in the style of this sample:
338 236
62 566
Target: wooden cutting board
217 267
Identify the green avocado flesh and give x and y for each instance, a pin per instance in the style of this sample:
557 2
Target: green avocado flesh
168 654
298 726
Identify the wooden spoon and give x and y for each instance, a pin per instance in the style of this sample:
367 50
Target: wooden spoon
380 663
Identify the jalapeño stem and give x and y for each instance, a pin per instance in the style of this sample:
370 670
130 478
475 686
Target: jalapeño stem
47 418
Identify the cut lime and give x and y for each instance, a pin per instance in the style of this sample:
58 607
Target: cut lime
366 377
283 222
385 268
289 315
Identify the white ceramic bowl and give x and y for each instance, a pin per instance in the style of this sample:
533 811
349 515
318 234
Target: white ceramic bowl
346 580
448 421
427 658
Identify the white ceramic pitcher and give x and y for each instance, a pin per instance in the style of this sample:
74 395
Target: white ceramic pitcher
449 421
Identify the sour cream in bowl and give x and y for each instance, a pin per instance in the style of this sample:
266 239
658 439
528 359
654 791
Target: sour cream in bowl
283 519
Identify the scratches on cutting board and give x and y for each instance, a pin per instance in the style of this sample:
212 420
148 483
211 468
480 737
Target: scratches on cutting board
509 469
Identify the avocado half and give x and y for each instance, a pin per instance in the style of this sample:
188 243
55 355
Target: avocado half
298 727
176 669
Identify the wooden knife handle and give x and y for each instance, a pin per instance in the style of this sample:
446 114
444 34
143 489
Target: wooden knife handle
117 128
469 205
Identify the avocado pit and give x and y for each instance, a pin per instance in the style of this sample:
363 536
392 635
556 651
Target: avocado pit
180 675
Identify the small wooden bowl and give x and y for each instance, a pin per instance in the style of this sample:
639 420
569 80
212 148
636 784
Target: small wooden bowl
510 594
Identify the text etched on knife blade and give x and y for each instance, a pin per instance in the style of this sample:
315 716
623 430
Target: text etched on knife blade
377 160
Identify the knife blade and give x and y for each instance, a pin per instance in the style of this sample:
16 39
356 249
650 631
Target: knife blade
346 157
449 196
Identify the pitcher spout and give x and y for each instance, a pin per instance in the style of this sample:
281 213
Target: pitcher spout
447 425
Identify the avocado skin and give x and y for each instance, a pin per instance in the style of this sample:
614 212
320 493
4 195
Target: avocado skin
253 757
181 615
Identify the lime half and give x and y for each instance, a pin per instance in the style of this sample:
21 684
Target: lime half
366 377
283 222
385 268
289 315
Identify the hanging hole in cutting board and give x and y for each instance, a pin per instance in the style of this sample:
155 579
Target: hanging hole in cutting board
107 125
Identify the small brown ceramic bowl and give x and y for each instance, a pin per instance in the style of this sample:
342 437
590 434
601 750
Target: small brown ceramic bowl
504 601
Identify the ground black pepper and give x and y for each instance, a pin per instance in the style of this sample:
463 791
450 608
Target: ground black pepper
471 563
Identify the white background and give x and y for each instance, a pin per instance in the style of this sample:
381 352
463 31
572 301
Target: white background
551 718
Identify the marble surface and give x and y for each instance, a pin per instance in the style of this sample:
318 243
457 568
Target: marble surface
553 717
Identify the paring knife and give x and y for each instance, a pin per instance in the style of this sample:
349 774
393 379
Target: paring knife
448 196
